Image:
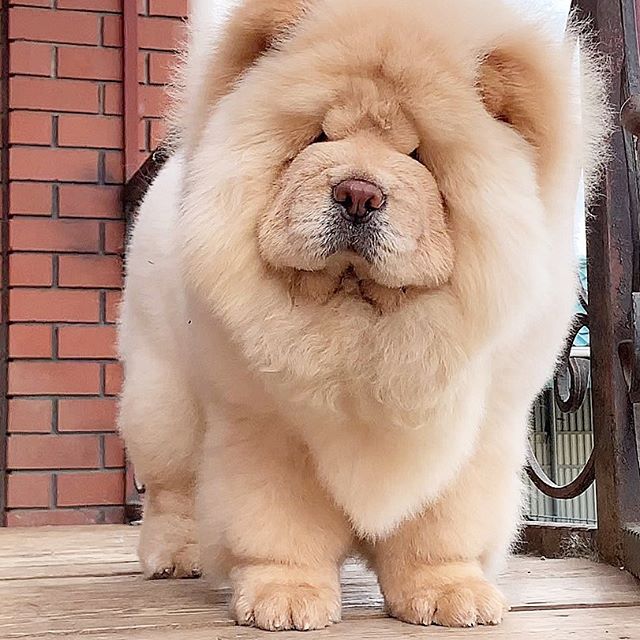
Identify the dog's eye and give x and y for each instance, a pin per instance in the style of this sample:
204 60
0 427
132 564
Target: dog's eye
322 137
415 154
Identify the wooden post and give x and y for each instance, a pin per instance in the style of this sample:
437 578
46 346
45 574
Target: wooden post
612 251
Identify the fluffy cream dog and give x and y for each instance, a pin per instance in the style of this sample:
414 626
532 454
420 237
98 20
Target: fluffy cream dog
344 292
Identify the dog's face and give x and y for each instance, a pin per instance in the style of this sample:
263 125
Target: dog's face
365 158
357 203
368 137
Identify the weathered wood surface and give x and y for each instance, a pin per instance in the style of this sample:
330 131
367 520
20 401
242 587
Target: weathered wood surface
67 551
83 582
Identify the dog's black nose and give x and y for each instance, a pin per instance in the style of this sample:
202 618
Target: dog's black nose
358 199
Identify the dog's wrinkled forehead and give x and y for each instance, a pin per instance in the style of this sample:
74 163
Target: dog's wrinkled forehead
370 105
337 63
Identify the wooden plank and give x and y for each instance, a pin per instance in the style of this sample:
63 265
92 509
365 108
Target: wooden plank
51 586
88 605
602 624
36 607
68 551
558 540
529 583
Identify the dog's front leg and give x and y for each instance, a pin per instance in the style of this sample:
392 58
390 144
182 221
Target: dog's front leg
270 527
436 568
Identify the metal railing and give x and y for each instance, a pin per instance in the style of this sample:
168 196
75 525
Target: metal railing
612 315
562 444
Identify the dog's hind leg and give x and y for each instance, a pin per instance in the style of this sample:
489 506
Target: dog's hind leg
160 424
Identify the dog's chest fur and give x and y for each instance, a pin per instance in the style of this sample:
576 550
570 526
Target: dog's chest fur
379 462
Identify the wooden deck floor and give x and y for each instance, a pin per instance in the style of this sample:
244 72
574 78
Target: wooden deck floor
84 582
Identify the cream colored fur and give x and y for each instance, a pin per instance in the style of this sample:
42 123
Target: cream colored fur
299 405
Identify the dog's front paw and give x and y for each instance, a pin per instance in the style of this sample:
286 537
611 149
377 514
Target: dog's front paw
463 604
283 603
445 596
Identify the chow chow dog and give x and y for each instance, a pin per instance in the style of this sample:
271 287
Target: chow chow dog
343 293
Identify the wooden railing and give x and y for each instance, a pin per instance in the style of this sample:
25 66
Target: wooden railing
614 282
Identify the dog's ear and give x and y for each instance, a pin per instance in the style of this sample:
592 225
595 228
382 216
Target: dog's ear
534 84
211 69
516 89
554 94
252 29
527 82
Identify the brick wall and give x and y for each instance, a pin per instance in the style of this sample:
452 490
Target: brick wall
65 462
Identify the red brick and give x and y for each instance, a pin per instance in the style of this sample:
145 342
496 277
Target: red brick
38 163
112 310
31 58
91 5
154 100
33 3
30 198
27 234
90 63
143 76
90 201
53 94
114 237
27 415
158 132
110 515
53 452
98 488
113 379
87 342
30 269
112 31
177 8
90 271
30 127
137 162
113 99
30 341
114 456
90 131
38 518
53 26
28 490
87 414
45 378
161 66
158 33
114 167
54 305
143 135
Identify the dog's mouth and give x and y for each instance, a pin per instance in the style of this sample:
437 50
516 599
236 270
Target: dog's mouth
328 285
365 239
